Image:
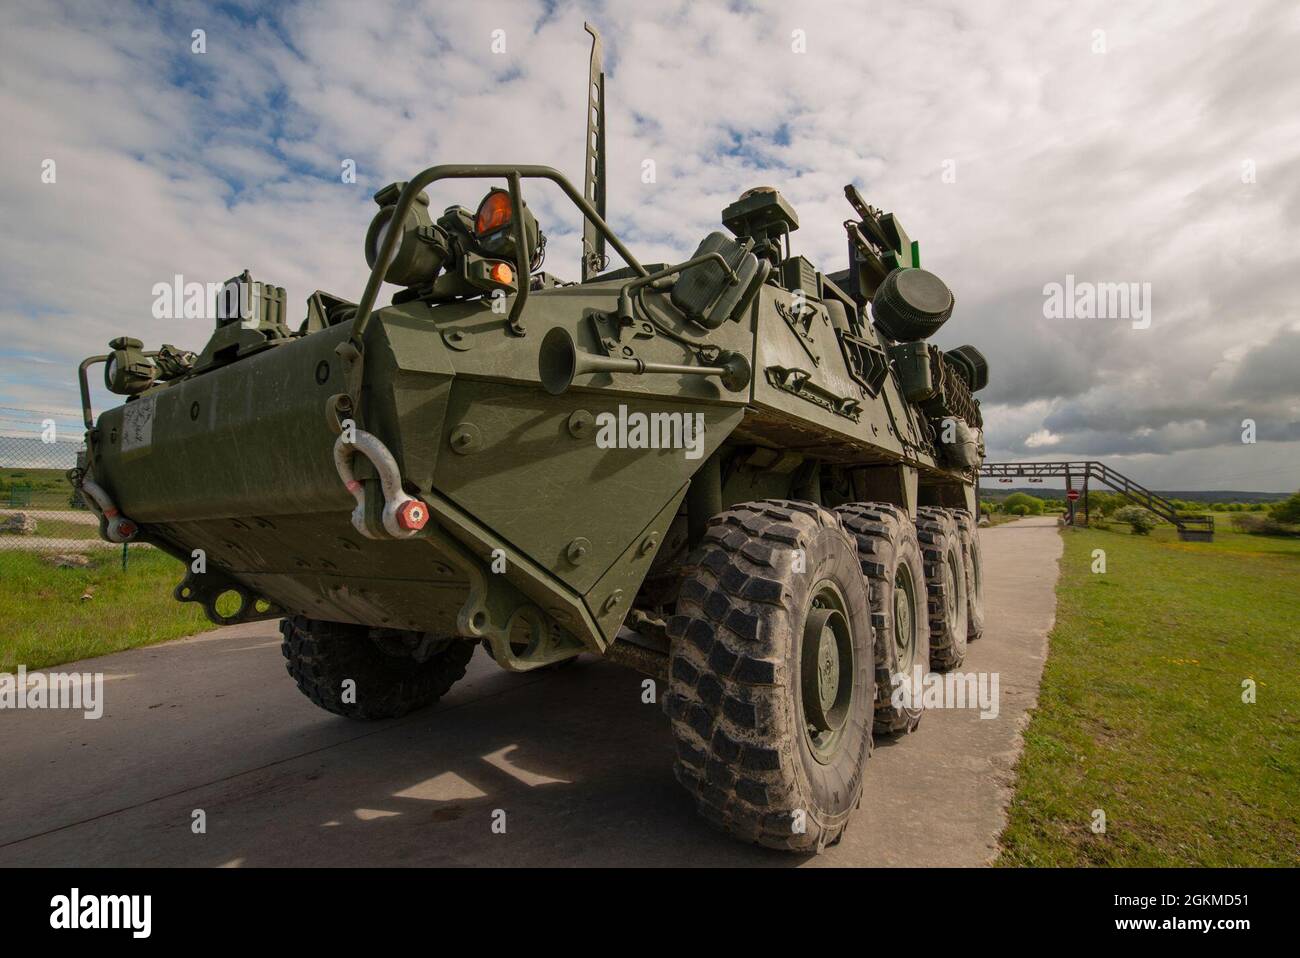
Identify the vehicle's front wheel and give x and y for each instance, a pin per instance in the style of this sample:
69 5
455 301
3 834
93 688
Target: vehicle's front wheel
345 670
772 675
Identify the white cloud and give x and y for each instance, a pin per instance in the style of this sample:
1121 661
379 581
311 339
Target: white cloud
1116 167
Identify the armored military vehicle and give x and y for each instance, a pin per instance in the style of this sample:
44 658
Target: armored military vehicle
739 473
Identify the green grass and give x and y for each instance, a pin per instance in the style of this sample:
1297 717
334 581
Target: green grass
1141 715
50 488
44 621
55 529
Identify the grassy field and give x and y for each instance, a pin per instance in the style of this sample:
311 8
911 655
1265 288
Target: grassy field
45 621
66 529
38 488
53 529
1141 711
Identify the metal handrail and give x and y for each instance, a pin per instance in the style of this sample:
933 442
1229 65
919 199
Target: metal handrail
1094 468
512 174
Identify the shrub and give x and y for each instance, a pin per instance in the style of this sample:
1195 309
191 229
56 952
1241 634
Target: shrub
1271 527
1288 510
1244 523
1103 503
1033 505
986 508
1263 526
1020 509
1139 520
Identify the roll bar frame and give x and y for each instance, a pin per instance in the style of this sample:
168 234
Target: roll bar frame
460 171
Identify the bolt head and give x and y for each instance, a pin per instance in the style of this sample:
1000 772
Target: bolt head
412 515
577 550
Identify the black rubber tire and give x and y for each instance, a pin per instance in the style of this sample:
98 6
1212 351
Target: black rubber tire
322 655
886 540
941 550
970 541
734 698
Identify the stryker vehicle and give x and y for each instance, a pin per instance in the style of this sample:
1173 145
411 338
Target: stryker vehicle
751 479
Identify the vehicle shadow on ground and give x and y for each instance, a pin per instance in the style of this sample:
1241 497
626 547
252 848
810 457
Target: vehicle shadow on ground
570 768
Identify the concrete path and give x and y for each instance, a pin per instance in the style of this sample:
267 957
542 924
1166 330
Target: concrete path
580 767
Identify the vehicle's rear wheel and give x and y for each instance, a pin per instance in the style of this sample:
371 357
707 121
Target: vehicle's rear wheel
945 581
970 541
771 675
890 557
344 670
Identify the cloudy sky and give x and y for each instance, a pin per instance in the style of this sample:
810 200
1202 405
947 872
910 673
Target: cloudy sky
1019 143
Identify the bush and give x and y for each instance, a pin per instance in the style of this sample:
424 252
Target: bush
1263 526
1288 510
986 509
1140 520
1033 505
1020 509
1103 503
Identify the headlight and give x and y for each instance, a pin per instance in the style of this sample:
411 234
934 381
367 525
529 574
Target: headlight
493 213
128 370
421 247
380 236
494 226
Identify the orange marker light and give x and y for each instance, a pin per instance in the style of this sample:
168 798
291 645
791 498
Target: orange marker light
493 212
502 273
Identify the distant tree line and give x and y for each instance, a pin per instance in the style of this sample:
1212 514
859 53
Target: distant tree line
1257 518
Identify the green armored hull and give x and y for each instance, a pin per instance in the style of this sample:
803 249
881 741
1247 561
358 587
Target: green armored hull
750 478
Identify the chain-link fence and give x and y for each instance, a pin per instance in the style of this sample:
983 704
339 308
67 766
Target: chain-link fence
40 510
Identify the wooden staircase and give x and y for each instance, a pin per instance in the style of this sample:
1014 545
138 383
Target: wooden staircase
1190 528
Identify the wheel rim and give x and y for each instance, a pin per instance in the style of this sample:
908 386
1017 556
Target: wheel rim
827 667
904 629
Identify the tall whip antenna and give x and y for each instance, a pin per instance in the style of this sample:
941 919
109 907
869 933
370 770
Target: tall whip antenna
593 243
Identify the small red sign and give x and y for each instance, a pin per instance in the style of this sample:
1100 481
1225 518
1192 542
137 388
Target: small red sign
1072 494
